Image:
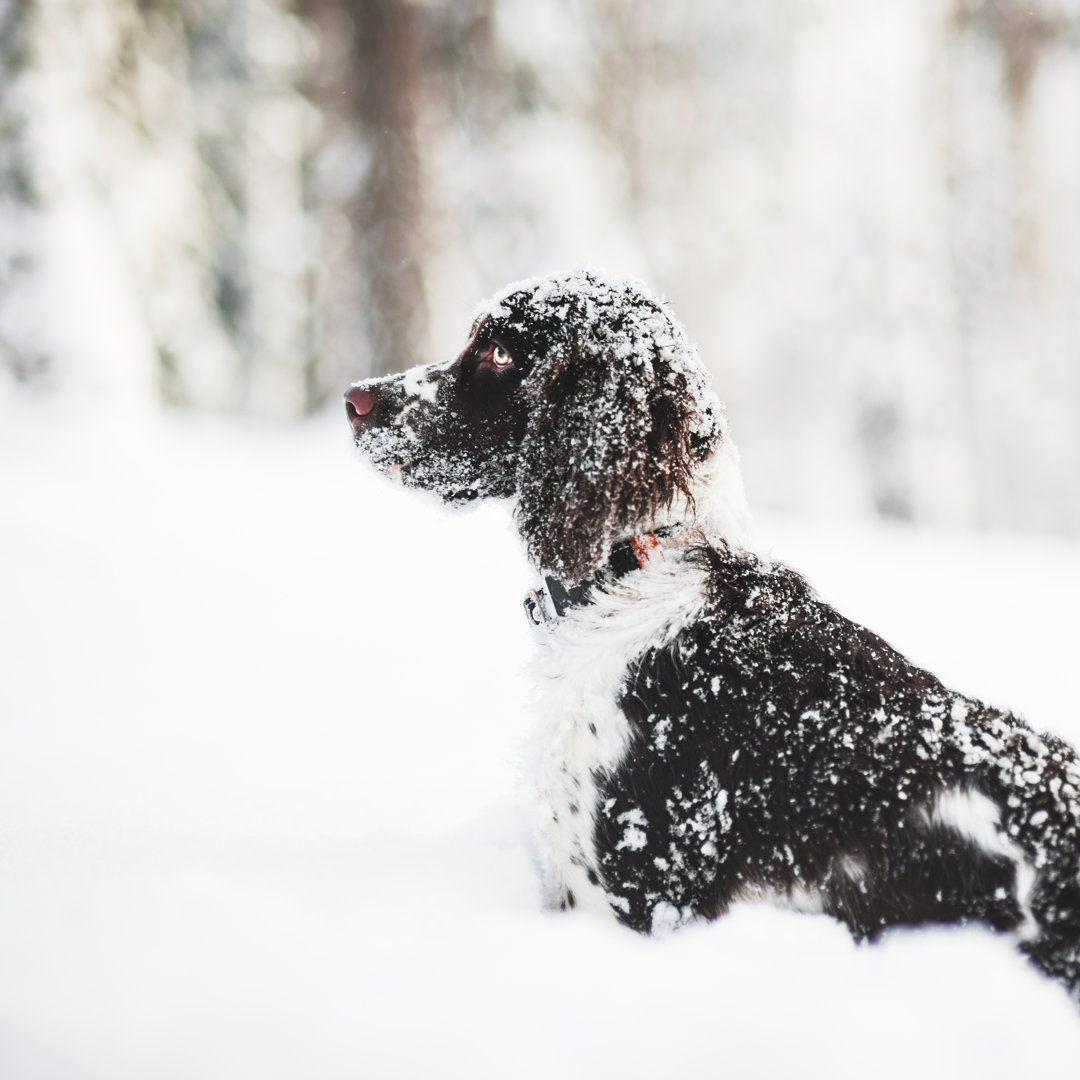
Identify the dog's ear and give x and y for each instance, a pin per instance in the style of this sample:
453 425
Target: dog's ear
620 415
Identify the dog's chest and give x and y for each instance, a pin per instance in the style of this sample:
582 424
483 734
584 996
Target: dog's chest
582 669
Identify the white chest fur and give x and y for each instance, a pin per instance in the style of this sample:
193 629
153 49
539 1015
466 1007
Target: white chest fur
581 668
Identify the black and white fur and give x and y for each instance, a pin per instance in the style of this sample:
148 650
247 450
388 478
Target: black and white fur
712 730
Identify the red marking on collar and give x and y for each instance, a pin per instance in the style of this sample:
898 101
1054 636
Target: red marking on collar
646 546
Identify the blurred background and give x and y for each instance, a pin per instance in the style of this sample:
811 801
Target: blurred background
264 738
867 213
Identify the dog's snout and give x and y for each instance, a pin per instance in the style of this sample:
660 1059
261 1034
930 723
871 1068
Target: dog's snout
359 404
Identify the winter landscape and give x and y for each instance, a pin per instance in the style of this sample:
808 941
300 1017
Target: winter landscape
265 794
265 729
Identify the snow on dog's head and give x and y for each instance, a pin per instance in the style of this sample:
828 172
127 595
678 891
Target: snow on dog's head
579 396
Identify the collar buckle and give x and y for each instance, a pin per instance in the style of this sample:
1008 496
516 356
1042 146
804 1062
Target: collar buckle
537 608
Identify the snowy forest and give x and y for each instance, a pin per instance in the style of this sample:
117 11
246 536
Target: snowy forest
867 213
267 735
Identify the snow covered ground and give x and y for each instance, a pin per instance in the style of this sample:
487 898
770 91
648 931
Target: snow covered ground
262 808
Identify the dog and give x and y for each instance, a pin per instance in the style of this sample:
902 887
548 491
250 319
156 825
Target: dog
712 730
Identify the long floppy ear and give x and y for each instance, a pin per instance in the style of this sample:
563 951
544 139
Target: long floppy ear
620 416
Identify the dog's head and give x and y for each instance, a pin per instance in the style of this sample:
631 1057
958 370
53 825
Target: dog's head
580 397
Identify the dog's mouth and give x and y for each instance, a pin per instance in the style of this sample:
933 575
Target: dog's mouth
386 449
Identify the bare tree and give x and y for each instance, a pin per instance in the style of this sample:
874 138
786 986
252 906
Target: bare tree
369 181
20 353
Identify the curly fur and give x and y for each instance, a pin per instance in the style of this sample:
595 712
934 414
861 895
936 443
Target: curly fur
620 416
711 730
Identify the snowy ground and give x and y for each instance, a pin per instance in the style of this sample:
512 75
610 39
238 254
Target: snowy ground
262 813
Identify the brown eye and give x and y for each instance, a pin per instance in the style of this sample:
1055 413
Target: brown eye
500 357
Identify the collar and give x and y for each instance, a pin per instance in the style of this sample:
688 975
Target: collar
554 600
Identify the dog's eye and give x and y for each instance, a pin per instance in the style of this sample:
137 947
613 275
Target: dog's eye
500 357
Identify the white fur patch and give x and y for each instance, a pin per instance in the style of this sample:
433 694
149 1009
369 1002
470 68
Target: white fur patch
582 665
978 818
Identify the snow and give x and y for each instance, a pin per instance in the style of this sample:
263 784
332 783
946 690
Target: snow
263 796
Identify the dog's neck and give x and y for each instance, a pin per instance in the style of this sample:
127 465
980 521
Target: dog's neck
717 510
556 599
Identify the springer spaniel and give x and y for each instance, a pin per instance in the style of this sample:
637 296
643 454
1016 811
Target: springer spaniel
713 730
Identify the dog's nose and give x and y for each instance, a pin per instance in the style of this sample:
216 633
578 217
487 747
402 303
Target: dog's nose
359 404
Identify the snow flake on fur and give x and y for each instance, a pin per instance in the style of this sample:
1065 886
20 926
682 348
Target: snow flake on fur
787 751
621 413
714 730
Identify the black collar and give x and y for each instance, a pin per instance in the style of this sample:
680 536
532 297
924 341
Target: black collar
556 599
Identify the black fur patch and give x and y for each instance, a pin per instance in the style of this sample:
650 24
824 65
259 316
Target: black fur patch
780 748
